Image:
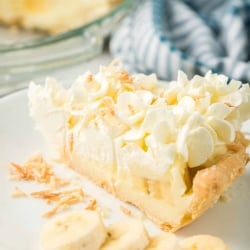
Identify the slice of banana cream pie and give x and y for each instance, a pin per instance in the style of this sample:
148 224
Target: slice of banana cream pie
171 149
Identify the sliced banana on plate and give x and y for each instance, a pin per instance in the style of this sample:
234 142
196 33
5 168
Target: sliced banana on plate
163 241
77 230
84 230
128 234
203 242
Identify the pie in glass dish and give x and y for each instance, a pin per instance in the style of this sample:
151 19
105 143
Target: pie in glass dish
53 16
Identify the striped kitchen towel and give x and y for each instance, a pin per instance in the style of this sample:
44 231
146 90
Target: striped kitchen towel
163 36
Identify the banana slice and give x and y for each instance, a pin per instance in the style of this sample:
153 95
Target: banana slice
128 234
84 230
203 242
81 230
164 241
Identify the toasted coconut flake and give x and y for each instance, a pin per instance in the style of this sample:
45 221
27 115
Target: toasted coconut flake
63 199
125 77
131 109
89 78
18 193
38 170
47 195
50 213
125 210
92 205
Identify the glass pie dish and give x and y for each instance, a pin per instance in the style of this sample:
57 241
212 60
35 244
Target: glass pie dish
25 53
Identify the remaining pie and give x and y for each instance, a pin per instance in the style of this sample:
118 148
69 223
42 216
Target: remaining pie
171 149
53 16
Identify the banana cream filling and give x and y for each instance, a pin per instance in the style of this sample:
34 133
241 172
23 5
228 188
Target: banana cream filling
137 133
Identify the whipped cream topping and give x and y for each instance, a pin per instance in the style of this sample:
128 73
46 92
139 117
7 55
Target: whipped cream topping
153 127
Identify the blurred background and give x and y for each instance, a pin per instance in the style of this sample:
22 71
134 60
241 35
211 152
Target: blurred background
57 38
63 39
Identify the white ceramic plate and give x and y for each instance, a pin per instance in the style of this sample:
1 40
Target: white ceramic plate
20 218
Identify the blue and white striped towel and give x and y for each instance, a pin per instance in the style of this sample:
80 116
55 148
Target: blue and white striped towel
163 36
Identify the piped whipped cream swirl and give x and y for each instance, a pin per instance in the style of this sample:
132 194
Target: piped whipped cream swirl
151 125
